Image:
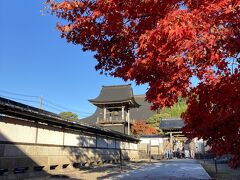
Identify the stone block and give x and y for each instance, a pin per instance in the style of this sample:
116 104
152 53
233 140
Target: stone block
30 150
16 162
41 150
13 151
6 163
56 160
24 162
40 160
2 147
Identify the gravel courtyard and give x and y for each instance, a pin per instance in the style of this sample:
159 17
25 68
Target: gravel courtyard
177 169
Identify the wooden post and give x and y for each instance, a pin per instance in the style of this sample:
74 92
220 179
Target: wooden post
128 119
98 120
204 152
150 153
215 162
36 136
122 112
104 113
96 141
63 136
110 116
40 102
120 153
171 142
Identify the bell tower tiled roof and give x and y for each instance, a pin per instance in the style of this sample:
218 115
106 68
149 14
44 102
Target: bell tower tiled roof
113 95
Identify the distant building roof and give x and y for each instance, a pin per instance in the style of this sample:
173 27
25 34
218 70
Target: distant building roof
142 112
110 95
171 123
152 136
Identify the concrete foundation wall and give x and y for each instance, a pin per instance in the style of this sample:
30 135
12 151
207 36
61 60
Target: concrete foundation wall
34 155
17 156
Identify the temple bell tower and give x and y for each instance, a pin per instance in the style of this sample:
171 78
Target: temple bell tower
115 103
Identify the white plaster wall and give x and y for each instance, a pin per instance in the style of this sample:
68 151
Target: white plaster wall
89 141
10 132
49 136
14 130
111 143
117 144
122 145
154 141
133 146
144 140
102 142
127 145
72 139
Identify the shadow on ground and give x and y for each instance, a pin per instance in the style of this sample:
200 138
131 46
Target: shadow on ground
223 170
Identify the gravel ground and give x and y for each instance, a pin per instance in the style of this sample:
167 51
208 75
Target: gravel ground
105 171
176 169
180 169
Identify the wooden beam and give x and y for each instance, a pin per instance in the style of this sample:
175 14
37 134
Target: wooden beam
178 132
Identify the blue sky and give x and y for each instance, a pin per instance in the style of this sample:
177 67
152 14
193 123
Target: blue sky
34 60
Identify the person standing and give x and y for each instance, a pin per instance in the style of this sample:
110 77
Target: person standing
179 149
168 149
192 148
174 149
186 149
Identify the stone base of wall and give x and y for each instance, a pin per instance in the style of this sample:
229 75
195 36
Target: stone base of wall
29 159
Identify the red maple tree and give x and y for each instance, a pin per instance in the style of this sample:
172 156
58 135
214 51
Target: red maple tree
141 128
213 114
165 44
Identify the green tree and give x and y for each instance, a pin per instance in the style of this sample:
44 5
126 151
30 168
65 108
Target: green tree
69 115
174 112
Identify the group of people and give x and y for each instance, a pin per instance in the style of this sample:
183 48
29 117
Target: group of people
177 149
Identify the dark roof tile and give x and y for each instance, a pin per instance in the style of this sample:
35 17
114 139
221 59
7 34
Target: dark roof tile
171 123
141 113
114 94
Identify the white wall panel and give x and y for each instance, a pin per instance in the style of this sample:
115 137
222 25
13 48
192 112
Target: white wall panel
102 142
89 141
72 139
50 136
17 133
111 143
